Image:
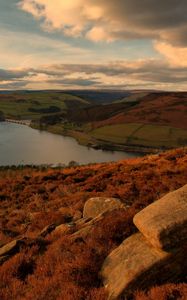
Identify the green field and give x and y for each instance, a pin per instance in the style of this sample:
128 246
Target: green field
142 134
17 105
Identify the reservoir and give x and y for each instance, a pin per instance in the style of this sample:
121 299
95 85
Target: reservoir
20 144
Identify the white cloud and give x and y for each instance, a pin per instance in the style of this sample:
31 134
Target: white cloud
108 20
139 74
176 56
30 50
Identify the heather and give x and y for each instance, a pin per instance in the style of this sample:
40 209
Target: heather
59 266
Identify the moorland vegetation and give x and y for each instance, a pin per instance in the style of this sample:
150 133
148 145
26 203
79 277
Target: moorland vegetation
57 266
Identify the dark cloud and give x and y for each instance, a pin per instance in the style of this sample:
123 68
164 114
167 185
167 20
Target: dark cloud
161 19
75 81
147 72
14 85
6 75
165 20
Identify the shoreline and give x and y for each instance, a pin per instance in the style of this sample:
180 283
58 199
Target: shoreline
85 140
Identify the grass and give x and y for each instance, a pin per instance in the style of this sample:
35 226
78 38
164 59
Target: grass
140 134
17 105
115 133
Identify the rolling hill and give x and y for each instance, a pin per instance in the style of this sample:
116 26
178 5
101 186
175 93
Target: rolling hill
143 121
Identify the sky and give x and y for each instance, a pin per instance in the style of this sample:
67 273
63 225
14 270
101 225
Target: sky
93 44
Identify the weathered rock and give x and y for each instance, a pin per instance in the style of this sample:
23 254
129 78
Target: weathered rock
86 226
63 229
95 206
135 264
48 229
164 223
10 249
83 221
77 216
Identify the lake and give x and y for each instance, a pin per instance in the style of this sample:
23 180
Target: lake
20 144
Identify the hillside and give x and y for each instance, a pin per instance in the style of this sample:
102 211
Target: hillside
165 108
141 121
33 105
55 266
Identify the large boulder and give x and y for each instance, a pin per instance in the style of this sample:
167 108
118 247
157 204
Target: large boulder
135 264
164 223
98 205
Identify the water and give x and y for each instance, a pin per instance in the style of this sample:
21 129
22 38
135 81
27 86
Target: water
21 144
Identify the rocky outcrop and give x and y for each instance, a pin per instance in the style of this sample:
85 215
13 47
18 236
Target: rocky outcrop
15 246
136 264
141 261
164 223
10 248
47 230
98 205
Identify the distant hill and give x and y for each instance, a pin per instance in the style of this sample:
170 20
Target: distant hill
165 108
122 120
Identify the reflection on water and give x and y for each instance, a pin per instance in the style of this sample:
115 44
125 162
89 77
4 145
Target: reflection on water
20 144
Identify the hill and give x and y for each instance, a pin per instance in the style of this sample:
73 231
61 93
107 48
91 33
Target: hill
141 121
35 104
55 265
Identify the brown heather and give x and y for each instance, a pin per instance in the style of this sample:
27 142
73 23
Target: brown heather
63 268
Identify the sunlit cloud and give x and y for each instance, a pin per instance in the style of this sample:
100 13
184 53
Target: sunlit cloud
151 73
105 20
176 56
95 44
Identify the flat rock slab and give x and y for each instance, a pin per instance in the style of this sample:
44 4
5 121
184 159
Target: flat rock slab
98 205
10 249
164 223
63 229
135 264
47 230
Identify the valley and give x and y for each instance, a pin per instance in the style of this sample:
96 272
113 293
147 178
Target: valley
126 121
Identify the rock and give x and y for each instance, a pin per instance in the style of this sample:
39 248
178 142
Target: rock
83 221
63 229
95 206
85 227
135 264
48 229
10 249
77 216
164 223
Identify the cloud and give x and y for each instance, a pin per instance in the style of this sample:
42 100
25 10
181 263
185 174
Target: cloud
176 56
6 75
109 20
78 82
13 85
25 49
152 73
